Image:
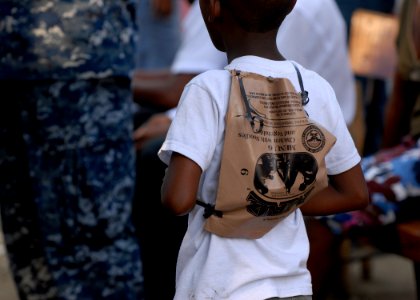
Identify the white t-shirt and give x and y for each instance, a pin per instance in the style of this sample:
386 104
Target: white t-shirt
212 267
313 34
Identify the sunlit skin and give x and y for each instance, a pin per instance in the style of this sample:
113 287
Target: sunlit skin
346 191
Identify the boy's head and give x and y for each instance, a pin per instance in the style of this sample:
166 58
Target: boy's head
259 15
251 16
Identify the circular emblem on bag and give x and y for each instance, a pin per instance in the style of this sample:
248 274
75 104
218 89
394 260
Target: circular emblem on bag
313 139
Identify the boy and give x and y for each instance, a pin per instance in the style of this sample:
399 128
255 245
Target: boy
274 265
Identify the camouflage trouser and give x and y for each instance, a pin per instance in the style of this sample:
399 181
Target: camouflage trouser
67 172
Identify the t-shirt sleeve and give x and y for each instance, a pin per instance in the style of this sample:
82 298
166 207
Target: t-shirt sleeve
194 130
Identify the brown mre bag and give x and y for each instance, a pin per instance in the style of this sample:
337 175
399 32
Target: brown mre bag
273 157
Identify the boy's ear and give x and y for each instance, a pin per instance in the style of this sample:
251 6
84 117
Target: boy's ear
292 5
215 9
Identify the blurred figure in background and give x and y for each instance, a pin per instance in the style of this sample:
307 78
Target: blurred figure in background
159 30
67 164
159 37
403 109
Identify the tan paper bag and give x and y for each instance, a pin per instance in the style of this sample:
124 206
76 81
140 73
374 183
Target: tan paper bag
273 157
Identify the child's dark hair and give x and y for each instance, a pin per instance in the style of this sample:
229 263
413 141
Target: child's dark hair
259 15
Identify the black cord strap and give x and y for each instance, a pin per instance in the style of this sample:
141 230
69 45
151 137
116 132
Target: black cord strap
252 119
304 94
209 210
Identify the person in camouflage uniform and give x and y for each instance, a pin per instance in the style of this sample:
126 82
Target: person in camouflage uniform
67 164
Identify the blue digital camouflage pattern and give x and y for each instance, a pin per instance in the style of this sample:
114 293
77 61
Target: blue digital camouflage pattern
66 39
67 164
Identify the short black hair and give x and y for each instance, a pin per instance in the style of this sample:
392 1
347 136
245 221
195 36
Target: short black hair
259 15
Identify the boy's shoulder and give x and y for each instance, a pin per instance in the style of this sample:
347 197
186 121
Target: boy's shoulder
209 74
211 77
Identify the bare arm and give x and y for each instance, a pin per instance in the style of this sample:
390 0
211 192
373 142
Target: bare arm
159 89
346 191
180 184
157 125
396 108
394 115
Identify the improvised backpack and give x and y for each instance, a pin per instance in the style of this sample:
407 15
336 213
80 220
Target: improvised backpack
272 160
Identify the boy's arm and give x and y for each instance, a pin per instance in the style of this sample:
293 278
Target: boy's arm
346 191
180 184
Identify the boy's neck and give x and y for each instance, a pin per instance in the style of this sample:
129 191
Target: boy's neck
256 44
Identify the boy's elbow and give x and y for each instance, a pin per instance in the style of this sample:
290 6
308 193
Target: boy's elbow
176 206
361 198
